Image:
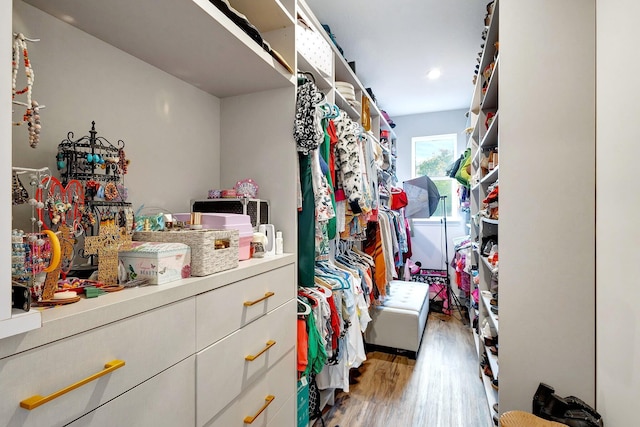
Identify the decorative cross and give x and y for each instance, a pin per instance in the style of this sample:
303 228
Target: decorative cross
106 245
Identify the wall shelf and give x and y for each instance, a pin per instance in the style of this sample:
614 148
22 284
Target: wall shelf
166 33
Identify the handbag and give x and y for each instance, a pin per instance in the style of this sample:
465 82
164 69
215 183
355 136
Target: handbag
569 410
314 399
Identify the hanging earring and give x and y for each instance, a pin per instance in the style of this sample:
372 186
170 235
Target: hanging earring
19 193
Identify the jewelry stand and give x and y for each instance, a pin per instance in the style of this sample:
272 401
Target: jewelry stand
100 167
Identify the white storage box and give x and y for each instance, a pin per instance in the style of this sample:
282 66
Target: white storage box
159 262
313 46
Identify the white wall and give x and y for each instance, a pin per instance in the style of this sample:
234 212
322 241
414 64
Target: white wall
618 233
428 240
171 129
547 199
5 160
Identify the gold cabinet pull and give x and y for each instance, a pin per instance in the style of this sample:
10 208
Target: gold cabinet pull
253 357
37 400
267 401
267 295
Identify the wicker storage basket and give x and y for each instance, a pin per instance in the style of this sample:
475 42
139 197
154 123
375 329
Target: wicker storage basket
525 419
205 258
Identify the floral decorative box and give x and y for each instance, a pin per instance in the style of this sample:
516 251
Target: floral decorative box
158 261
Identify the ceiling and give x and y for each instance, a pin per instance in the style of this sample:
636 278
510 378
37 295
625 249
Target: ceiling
396 43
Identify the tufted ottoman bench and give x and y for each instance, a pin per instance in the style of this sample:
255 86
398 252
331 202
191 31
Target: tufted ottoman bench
400 320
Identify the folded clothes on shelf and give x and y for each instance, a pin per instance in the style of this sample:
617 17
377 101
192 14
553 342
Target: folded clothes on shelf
241 21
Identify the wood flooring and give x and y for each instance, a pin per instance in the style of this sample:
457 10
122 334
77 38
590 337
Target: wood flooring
439 389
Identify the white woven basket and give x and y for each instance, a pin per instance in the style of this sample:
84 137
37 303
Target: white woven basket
205 258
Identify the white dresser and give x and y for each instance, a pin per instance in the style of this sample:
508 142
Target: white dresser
202 351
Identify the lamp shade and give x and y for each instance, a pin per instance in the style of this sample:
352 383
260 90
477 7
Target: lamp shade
423 197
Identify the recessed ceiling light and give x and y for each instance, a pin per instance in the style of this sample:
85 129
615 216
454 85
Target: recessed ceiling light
434 74
68 19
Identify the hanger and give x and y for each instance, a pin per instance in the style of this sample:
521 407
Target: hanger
306 307
329 110
312 300
344 284
346 268
305 76
369 259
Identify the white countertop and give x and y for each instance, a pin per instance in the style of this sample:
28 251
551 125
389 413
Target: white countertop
63 321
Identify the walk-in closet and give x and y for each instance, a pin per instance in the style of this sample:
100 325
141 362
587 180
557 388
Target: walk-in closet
318 213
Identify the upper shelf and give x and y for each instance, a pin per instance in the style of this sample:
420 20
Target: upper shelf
189 39
490 100
345 106
265 15
322 82
492 37
490 138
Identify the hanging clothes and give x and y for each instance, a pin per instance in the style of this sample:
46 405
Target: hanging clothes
350 352
308 134
303 344
307 130
387 246
317 354
349 175
329 158
306 225
373 247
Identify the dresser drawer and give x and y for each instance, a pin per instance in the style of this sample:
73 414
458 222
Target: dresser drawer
286 416
221 311
224 372
279 383
165 400
148 343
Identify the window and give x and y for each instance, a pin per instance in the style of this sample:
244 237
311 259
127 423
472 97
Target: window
431 156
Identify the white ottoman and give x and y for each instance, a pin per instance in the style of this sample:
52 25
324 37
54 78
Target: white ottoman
400 321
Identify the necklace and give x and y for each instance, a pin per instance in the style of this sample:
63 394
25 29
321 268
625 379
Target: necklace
32 114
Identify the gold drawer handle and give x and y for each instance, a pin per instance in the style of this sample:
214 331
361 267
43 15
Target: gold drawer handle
37 400
267 401
253 357
267 295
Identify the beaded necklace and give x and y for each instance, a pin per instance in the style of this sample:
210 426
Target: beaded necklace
32 113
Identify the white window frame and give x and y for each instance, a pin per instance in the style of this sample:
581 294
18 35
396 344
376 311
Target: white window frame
455 213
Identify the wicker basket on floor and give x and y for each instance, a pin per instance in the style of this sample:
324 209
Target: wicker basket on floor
205 258
525 419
